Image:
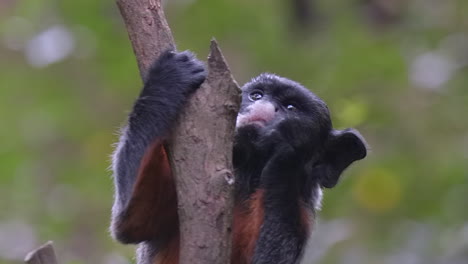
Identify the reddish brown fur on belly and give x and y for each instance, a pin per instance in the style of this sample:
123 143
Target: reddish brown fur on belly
305 218
152 210
248 218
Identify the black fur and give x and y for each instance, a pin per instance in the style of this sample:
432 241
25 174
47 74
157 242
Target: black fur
284 145
290 158
171 79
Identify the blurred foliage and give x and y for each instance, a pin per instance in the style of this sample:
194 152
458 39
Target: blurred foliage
68 78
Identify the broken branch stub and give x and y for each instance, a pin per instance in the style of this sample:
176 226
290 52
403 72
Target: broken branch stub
45 254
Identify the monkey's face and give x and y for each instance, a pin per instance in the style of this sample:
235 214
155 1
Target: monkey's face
269 101
277 111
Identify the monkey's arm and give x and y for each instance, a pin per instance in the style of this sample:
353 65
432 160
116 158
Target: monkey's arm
285 224
145 203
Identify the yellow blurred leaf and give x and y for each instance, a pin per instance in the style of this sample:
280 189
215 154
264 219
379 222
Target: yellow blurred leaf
377 190
352 112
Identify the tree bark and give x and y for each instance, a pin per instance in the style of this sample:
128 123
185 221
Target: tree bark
147 29
200 148
201 158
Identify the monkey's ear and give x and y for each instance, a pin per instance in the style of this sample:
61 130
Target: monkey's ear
342 148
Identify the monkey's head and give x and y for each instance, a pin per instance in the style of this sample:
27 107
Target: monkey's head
275 109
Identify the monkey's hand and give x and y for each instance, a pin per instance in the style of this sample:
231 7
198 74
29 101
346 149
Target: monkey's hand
300 134
174 73
170 81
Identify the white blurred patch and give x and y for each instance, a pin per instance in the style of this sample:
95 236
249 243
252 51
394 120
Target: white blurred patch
50 46
318 199
16 240
431 70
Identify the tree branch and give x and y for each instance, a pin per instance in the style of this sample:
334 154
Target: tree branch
200 150
201 159
147 29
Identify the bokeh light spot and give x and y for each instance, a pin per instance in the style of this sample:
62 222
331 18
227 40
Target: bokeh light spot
377 190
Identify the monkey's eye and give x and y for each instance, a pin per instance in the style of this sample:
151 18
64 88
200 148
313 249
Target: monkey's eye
291 107
254 96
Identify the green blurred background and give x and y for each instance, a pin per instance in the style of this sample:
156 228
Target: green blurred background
394 69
